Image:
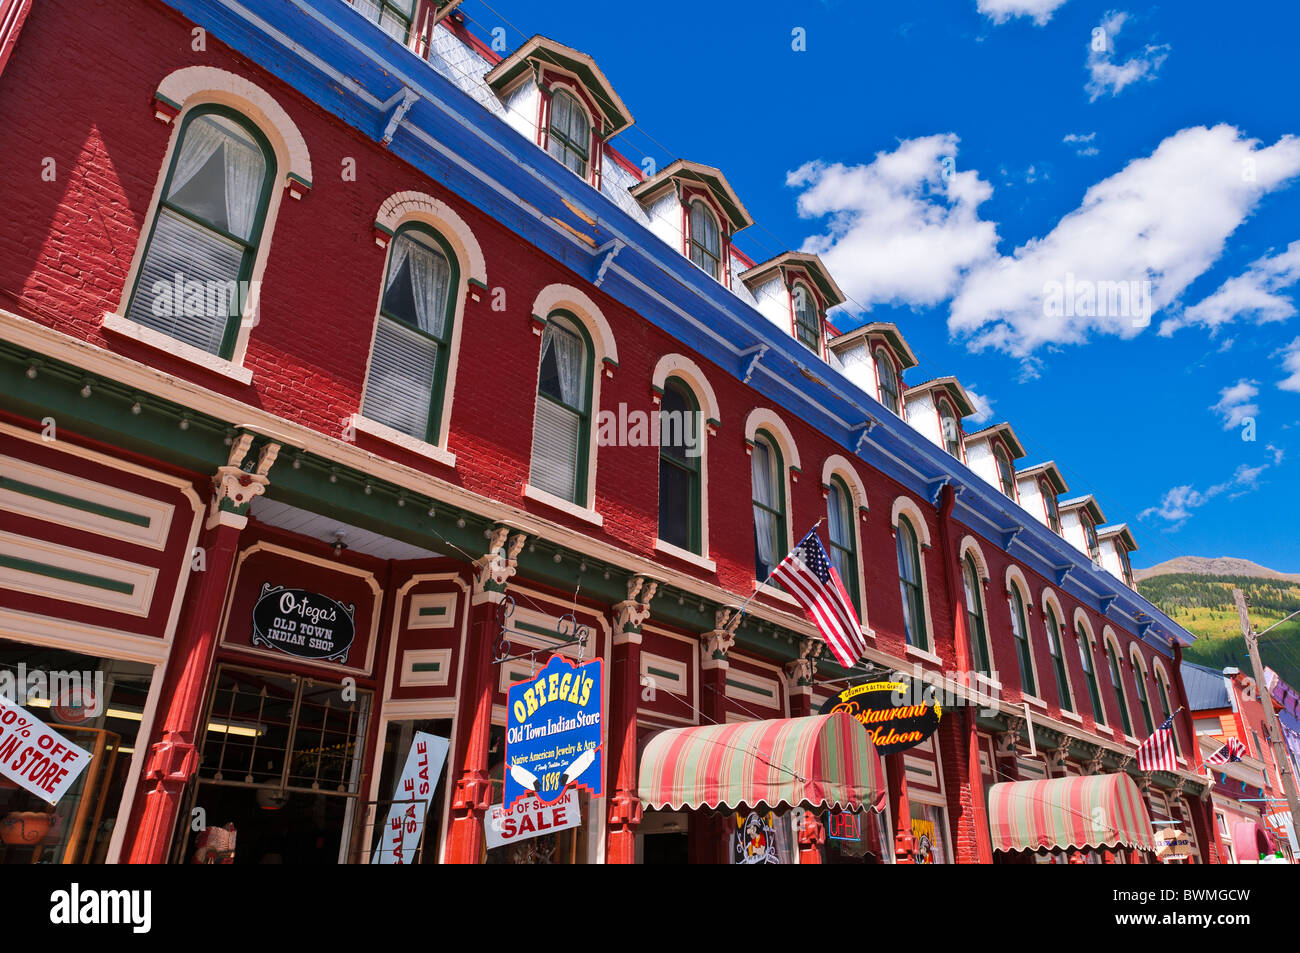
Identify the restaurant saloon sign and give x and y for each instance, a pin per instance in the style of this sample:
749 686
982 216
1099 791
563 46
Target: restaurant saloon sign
898 714
303 624
553 732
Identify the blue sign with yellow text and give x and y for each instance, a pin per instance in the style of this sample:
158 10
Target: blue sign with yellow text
553 732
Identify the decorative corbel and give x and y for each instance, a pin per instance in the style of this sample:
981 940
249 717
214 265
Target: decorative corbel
718 641
632 612
801 671
1008 742
497 565
239 481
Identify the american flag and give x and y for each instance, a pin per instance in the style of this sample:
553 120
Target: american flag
1157 752
1232 750
808 575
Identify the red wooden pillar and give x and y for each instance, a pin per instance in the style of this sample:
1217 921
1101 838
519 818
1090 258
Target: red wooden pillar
709 833
624 699
173 757
473 792
901 808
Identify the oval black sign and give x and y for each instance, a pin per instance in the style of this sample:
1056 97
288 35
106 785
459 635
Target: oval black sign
898 714
303 624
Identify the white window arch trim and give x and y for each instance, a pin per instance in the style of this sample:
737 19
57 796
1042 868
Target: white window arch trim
838 466
969 546
553 80
688 374
1160 675
905 506
679 365
1051 602
1014 579
1110 639
1081 617
180 93
581 308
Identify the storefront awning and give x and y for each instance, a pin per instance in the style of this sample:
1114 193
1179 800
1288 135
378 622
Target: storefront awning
1250 839
822 760
1103 810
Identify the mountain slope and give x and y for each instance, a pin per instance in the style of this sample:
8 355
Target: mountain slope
1213 566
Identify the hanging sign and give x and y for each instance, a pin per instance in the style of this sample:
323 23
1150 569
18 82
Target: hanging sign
760 837
553 732
531 818
899 715
304 624
35 756
1172 842
411 796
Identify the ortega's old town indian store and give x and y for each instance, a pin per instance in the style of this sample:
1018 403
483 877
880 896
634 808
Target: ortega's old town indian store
375 443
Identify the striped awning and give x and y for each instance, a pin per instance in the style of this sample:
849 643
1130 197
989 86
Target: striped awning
1103 810
822 760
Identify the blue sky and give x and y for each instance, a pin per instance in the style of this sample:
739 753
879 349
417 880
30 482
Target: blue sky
951 159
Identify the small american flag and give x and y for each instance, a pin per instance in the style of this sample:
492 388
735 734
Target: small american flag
808 575
1157 752
1232 750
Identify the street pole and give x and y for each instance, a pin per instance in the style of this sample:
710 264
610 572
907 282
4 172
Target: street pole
1275 732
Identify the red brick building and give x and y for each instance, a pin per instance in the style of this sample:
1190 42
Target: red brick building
398 373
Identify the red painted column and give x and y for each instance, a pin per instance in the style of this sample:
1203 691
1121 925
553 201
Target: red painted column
173 757
624 700
901 809
1202 814
708 837
473 791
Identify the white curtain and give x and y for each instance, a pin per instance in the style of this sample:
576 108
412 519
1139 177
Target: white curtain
244 164
760 467
202 138
430 277
568 360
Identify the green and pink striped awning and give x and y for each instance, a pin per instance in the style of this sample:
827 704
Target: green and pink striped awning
1102 810
822 760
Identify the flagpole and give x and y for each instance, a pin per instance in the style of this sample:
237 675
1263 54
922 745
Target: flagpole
743 605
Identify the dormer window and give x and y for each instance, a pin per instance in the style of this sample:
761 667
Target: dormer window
949 428
569 134
1006 475
1090 534
807 317
1049 504
705 240
1126 568
393 16
887 381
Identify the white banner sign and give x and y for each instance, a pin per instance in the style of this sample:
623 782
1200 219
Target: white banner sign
401 833
35 756
531 818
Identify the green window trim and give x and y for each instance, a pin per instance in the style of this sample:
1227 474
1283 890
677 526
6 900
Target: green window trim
67 575
1024 650
1144 701
63 499
1113 658
1057 651
396 11
849 552
686 464
1164 703
250 245
570 322
712 257
566 141
913 591
807 320
1090 673
890 389
779 513
975 624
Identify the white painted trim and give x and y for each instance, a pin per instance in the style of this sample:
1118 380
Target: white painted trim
403 207
564 506
142 579
1072 716
906 506
414 444
969 543
679 365
763 588
117 324
558 297
923 654
685 555
763 418
1034 700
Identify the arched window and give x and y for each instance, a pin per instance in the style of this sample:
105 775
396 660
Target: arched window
1090 534
563 415
408 364
1117 679
706 240
1166 708
569 137
1024 656
193 280
975 624
1058 660
1006 476
679 467
1144 702
950 429
1049 504
807 319
768 486
842 529
1125 567
887 375
910 585
393 16
1089 672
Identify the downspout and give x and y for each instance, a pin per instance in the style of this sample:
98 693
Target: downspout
965 662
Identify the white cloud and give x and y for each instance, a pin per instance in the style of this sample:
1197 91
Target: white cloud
904 228
1105 76
1291 364
1237 402
1000 11
983 412
1253 295
1163 219
1176 506
1278 453
1083 145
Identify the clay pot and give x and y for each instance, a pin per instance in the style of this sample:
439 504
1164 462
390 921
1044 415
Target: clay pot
24 828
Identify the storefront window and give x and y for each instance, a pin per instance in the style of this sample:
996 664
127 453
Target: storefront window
563 847
97 704
930 833
395 799
280 768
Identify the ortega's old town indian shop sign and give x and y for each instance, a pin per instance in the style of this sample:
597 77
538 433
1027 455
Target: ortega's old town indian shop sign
899 714
303 624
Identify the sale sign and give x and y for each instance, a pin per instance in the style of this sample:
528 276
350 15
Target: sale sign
36 757
530 818
401 833
553 732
